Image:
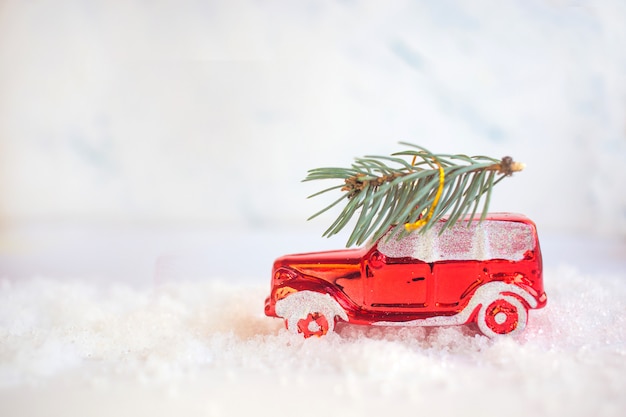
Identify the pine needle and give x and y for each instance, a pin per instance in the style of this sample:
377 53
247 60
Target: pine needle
389 191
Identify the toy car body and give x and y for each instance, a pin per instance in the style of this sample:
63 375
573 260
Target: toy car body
488 273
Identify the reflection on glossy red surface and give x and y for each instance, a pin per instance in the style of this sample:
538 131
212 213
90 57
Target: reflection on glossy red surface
489 273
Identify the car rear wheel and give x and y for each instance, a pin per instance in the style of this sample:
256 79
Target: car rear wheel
504 315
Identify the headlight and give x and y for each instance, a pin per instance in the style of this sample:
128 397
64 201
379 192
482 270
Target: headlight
283 275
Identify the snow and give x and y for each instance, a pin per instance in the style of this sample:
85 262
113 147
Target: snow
99 320
491 239
205 348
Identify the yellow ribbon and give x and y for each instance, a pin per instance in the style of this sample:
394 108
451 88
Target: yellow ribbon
421 222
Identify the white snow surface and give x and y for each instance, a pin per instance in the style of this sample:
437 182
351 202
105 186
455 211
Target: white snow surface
205 348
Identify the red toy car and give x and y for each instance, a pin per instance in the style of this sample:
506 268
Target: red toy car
488 272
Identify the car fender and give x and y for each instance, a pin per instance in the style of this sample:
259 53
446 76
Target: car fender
299 304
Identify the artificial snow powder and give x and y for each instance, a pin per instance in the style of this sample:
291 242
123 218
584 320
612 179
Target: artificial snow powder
209 347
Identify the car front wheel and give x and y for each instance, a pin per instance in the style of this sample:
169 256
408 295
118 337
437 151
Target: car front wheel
314 324
310 313
504 315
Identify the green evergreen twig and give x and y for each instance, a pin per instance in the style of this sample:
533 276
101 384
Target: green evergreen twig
391 191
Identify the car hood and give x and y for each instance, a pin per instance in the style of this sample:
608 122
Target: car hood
325 265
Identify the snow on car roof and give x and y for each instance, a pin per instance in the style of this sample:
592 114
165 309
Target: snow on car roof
490 239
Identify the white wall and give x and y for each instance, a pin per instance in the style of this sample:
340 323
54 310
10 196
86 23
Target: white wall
211 112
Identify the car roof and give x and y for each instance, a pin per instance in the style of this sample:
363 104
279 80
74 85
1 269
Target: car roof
499 235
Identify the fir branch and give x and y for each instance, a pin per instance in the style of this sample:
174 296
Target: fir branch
391 191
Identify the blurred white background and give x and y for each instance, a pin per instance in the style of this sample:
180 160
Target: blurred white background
206 114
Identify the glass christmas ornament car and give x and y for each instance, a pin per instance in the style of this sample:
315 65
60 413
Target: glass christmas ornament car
486 272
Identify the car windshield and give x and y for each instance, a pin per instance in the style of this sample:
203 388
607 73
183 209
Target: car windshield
491 239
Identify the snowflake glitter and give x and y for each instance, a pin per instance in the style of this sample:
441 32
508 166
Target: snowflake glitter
478 241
